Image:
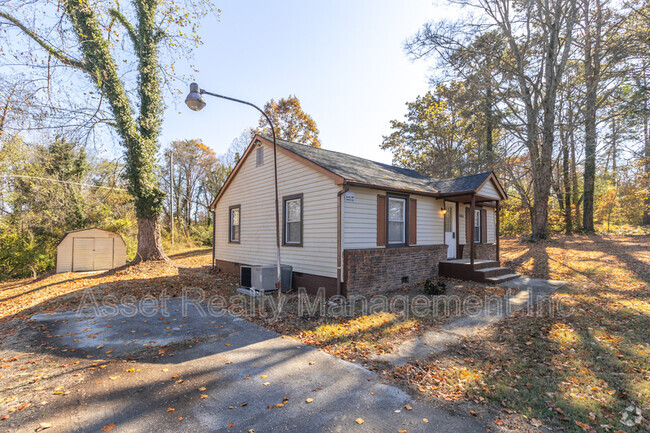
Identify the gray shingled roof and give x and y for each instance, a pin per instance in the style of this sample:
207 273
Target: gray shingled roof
355 169
459 184
361 170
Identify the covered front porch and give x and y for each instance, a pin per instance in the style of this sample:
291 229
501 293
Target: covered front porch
472 212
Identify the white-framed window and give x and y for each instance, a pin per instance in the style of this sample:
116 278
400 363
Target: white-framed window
259 156
477 226
396 220
293 220
235 223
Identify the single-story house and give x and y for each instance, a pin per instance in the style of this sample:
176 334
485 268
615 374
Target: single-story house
355 226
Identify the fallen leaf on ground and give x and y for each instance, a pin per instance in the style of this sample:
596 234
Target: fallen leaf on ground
108 427
408 407
204 396
498 421
359 421
309 400
171 409
231 424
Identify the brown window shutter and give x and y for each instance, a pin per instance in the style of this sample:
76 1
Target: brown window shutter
483 226
381 220
468 229
413 221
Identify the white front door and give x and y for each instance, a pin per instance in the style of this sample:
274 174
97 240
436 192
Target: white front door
450 232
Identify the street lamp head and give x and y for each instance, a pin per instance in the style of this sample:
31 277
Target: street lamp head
194 99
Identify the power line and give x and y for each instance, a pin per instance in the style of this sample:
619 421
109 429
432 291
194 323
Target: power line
62 181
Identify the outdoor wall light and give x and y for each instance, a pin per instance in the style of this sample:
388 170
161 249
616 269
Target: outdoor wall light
443 210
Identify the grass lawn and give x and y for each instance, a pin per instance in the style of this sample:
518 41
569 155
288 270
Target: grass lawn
583 371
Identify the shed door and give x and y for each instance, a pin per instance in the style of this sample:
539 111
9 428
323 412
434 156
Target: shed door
103 254
82 254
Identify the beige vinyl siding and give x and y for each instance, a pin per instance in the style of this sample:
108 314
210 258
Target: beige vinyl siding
430 221
360 219
491 237
95 250
462 231
253 189
489 190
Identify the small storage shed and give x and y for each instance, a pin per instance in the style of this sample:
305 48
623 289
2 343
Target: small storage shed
90 250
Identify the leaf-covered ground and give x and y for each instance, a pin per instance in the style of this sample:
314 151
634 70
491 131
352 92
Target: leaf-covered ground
581 363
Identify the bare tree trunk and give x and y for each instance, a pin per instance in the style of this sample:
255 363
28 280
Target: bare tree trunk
614 152
489 128
566 177
592 77
575 200
646 130
149 240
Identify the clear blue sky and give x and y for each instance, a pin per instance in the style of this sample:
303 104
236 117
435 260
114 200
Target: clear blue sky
343 59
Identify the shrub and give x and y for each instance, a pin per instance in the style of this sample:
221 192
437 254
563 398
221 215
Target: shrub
434 288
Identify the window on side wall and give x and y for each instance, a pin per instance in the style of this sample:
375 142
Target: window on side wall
259 156
292 217
396 221
477 227
235 224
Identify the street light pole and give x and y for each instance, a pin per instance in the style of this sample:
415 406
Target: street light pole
196 102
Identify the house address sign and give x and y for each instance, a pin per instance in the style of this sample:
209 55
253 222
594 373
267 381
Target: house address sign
349 196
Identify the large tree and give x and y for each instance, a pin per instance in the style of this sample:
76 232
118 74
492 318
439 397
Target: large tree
85 37
290 121
195 167
603 49
439 135
538 39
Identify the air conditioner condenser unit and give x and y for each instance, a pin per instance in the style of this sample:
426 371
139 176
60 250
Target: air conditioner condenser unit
264 277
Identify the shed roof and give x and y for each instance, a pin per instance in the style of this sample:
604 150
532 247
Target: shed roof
86 229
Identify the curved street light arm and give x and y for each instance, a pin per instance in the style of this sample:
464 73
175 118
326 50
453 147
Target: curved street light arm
275 172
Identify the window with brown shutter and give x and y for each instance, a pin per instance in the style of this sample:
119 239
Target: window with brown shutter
468 225
381 220
484 226
413 224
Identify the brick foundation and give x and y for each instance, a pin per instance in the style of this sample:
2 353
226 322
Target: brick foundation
376 270
481 251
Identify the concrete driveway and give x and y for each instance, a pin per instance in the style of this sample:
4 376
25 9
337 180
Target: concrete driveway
217 374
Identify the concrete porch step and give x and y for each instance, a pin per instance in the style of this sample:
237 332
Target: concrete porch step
501 278
478 263
493 272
